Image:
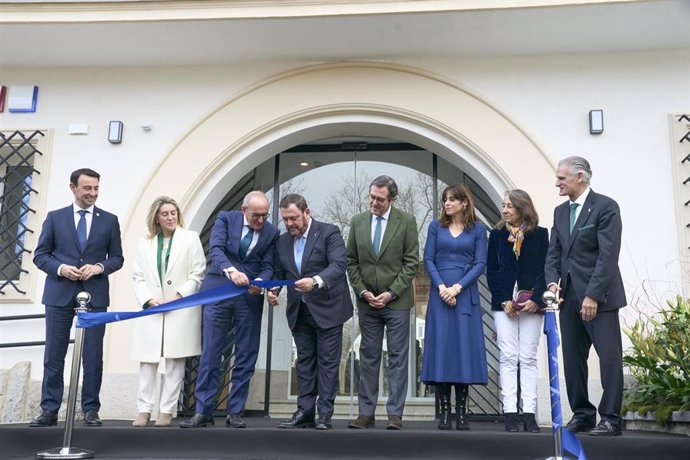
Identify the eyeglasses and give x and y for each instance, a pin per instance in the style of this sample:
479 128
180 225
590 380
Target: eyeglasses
378 199
256 215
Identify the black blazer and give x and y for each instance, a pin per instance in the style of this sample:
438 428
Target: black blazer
503 269
588 257
324 255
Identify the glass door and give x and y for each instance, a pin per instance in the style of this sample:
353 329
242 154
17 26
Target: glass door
336 186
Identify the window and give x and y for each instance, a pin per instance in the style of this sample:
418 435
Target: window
20 157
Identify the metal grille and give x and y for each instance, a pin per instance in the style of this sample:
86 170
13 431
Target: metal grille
17 153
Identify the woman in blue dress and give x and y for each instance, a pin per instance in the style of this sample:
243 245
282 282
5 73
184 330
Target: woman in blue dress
454 350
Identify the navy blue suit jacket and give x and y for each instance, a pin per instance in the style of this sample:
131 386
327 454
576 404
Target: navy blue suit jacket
588 256
324 255
503 269
225 244
58 244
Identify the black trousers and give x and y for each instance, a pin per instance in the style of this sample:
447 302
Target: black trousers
318 359
578 336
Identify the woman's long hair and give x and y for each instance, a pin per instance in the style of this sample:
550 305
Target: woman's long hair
523 205
151 224
461 193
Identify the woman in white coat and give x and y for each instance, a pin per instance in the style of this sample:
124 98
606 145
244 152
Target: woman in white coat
170 264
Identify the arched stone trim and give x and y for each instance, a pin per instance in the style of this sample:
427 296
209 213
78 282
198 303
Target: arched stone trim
340 99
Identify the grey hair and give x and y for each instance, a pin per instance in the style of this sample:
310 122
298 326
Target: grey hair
253 194
389 183
577 164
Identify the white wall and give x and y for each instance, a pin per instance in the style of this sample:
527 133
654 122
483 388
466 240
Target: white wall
550 96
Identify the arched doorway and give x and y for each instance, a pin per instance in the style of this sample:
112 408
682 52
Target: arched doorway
334 174
246 133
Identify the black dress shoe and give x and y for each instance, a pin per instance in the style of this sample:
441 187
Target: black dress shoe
299 420
235 421
324 422
579 425
91 418
198 421
606 428
46 418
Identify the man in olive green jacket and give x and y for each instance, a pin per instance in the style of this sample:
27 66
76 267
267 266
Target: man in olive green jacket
382 261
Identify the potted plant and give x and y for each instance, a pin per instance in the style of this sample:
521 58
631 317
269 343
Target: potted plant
659 361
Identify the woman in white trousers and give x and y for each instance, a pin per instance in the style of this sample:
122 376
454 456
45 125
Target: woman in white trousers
515 273
170 264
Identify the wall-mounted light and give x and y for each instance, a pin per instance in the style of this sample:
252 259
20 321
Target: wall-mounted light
115 132
596 121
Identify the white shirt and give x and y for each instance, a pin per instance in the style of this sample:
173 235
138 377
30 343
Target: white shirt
581 201
317 278
384 222
255 239
77 217
88 216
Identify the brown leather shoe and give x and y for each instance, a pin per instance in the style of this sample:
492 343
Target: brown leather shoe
362 421
394 423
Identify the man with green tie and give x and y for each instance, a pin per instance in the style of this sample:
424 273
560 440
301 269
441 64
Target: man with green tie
582 266
382 261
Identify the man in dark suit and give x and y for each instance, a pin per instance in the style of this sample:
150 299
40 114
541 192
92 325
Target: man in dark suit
313 254
241 250
78 248
382 261
583 255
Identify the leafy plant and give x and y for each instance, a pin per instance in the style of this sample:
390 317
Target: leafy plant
660 362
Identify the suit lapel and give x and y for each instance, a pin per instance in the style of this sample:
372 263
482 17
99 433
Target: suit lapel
511 260
236 227
582 219
96 225
391 226
69 217
177 242
152 256
312 236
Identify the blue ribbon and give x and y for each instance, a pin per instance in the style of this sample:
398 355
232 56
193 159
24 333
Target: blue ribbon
210 296
570 442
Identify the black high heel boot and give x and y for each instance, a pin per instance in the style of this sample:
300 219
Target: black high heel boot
461 407
511 422
444 406
530 423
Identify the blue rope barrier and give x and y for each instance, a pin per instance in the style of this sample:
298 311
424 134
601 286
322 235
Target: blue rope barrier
210 296
570 441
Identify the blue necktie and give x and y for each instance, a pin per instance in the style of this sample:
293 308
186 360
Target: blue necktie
81 229
245 243
377 235
573 211
299 250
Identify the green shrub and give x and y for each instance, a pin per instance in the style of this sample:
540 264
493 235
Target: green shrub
660 362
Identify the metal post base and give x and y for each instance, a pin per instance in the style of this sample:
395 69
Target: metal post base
65 453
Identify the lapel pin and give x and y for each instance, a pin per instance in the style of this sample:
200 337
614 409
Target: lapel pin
97 215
